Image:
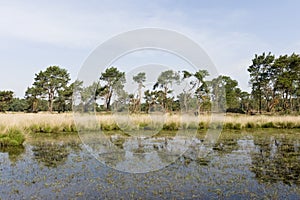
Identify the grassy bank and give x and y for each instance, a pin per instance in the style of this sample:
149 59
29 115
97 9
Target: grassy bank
14 126
261 121
11 137
175 122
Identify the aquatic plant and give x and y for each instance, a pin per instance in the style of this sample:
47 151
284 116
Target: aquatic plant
12 137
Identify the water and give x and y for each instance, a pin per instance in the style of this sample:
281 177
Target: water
241 165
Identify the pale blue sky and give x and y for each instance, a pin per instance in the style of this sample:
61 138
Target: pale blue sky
37 34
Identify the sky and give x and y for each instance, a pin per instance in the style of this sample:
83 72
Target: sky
38 34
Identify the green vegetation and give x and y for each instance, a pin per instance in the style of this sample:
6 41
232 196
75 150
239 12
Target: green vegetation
43 123
275 83
198 83
12 137
50 83
275 93
271 162
6 98
140 78
274 80
112 81
49 128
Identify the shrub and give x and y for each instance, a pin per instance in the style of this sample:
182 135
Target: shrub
143 124
268 125
193 125
34 128
290 125
110 127
17 135
56 129
171 126
46 129
67 128
73 128
235 110
237 126
228 125
202 125
250 125
13 137
184 126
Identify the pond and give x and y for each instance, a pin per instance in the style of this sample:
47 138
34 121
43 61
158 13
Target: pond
241 165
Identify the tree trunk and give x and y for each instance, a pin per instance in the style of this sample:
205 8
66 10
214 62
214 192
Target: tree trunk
185 103
34 105
50 102
108 101
260 104
165 105
137 100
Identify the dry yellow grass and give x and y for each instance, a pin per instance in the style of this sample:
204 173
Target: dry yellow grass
259 120
29 121
23 120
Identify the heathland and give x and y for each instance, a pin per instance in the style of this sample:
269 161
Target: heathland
275 90
16 127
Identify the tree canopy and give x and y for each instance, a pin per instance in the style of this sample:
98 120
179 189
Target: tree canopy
6 98
110 81
274 81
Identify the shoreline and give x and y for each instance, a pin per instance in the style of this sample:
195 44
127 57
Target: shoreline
15 128
64 122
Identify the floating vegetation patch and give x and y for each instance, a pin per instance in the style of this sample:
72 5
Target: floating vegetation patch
51 154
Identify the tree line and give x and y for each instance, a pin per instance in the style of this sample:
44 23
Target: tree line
274 85
275 82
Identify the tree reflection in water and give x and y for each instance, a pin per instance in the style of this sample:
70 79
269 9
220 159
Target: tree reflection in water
14 153
52 154
276 159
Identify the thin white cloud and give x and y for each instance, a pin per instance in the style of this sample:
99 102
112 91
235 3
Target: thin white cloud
74 26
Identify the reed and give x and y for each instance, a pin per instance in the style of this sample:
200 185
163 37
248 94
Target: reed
28 123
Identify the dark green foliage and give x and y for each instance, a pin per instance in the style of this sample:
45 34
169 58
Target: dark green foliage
47 128
200 89
225 89
18 105
111 81
50 84
250 125
6 98
268 125
110 127
228 125
136 99
32 95
203 125
170 126
275 83
260 77
64 100
235 110
237 126
164 81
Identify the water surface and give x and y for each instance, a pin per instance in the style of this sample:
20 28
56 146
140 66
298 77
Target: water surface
247 165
